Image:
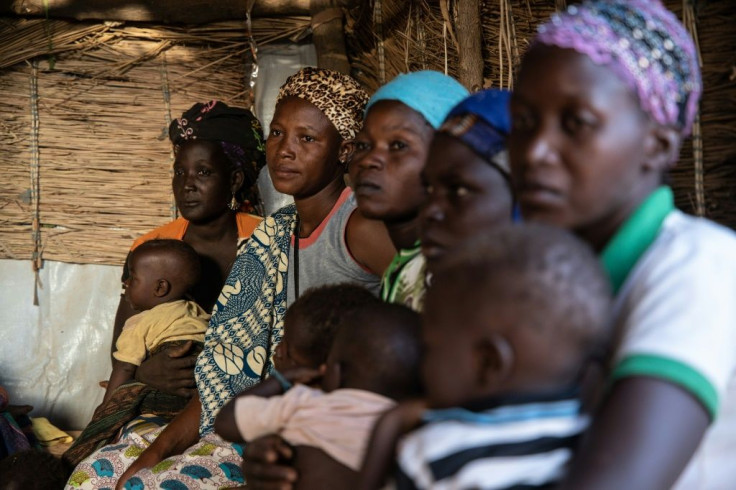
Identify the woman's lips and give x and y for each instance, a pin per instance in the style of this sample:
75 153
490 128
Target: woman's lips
285 172
431 248
364 188
539 195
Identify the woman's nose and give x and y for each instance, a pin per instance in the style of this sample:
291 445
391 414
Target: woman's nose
540 147
286 147
433 209
373 158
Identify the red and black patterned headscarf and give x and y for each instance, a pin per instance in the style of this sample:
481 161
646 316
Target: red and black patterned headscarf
236 129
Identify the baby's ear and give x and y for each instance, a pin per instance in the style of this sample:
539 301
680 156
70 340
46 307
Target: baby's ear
162 288
494 360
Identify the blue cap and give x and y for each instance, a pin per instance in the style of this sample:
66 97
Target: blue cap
430 93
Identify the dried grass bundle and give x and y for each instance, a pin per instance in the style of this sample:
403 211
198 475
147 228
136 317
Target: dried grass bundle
105 100
416 35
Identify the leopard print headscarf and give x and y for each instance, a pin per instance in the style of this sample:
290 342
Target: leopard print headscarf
338 96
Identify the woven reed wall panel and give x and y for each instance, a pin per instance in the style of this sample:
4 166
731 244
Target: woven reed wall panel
105 159
415 33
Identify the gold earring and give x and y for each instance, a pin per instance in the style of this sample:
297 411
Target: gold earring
234 204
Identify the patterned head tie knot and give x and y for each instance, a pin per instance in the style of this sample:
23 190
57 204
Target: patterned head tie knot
340 98
644 44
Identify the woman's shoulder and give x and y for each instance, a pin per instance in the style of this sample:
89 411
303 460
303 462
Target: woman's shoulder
174 229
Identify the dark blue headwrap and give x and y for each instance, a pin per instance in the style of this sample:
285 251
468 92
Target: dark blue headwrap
482 121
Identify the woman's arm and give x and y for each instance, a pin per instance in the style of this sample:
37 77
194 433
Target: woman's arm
369 243
170 370
181 433
643 437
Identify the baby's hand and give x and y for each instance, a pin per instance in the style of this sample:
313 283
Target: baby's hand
409 413
304 375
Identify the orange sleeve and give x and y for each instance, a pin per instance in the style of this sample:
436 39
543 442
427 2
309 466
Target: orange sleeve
247 223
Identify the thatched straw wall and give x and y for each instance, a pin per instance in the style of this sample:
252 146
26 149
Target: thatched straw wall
386 37
101 96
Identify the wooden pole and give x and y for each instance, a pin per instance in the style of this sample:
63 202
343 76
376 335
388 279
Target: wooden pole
328 35
169 11
469 37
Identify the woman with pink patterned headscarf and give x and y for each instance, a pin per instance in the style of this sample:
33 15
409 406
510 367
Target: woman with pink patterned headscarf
603 100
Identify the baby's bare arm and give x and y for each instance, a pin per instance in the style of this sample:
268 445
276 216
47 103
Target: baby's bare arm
121 372
381 452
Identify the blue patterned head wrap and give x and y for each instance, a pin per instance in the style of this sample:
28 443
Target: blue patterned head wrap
482 122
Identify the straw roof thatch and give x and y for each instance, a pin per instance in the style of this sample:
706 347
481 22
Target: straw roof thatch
387 37
83 132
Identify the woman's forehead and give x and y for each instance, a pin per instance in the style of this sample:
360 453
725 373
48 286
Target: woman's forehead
555 75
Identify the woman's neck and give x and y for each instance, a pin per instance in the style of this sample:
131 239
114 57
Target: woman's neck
404 234
599 234
221 228
314 209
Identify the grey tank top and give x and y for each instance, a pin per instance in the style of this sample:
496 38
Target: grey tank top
324 257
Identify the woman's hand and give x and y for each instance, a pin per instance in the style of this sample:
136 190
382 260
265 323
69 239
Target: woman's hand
147 459
267 464
170 370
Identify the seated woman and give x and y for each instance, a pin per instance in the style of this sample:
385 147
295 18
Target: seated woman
466 179
219 152
602 103
385 168
320 239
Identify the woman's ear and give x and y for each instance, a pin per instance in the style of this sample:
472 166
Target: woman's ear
662 148
163 287
236 180
346 152
494 360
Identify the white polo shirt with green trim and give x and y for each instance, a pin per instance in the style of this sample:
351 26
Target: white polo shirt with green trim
675 277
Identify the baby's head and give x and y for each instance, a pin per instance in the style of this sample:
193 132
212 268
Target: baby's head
160 271
311 323
377 349
33 469
519 310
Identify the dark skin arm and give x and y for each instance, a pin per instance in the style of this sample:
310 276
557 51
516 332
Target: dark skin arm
181 433
170 370
381 452
121 373
369 243
643 437
225 424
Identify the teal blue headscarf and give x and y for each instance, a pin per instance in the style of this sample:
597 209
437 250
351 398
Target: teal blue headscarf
428 92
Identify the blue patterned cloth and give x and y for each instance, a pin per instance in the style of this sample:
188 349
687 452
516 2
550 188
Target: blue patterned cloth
247 321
